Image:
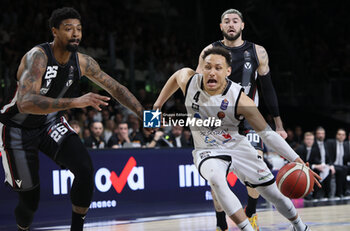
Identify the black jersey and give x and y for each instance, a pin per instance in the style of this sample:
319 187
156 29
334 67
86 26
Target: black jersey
59 81
244 67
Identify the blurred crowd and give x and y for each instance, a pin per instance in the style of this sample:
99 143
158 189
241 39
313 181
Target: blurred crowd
141 43
330 158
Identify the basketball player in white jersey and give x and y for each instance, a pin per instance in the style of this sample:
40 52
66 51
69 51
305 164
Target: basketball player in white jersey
220 149
249 65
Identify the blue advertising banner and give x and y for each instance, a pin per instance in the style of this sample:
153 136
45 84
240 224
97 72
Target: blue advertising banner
129 183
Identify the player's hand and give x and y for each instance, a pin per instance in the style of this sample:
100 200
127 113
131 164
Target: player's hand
317 178
315 175
91 99
282 133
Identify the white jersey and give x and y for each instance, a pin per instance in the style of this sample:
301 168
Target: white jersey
200 105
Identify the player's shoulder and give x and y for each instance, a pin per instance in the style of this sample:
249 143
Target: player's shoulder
36 51
86 60
234 86
83 57
260 49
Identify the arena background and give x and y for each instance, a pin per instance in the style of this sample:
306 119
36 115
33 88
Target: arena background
141 43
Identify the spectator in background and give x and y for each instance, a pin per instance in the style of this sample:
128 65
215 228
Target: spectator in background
75 125
121 138
290 138
298 135
340 157
320 163
86 133
188 137
176 137
118 117
95 140
108 131
135 133
304 150
105 116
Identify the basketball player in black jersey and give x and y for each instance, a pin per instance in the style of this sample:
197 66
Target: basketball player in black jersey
32 120
249 63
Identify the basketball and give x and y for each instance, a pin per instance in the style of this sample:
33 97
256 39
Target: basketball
295 180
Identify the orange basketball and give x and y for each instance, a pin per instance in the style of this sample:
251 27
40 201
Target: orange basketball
295 180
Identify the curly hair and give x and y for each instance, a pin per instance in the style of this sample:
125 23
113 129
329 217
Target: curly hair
61 14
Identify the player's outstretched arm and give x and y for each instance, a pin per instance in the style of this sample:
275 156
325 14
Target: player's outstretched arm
248 109
268 91
29 75
92 70
178 80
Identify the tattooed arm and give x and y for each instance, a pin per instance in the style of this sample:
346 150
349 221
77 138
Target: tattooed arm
30 72
92 70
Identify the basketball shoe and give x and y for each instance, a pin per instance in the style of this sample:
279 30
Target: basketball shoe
219 229
253 220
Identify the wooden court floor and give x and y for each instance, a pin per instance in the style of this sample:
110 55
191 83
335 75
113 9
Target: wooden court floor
325 218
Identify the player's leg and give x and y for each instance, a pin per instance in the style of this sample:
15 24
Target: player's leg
221 223
253 195
74 156
253 171
26 207
214 170
64 146
20 163
283 204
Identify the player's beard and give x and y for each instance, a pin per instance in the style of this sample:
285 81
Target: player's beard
71 47
231 38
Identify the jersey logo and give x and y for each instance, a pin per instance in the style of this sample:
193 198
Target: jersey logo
247 65
224 104
195 107
19 183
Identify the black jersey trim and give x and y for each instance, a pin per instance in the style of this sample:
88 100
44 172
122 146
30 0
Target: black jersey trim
54 58
229 83
202 84
270 182
220 43
256 55
239 96
78 63
188 84
221 157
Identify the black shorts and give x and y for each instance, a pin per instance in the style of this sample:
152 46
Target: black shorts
246 130
20 148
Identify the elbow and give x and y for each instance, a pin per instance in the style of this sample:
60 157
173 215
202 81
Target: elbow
21 107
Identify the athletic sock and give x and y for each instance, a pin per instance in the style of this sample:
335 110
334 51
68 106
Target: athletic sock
245 226
299 224
251 206
77 221
221 220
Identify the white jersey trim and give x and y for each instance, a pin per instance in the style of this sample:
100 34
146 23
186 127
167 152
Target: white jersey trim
13 102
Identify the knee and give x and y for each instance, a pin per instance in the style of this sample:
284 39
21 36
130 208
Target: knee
216 181
83 169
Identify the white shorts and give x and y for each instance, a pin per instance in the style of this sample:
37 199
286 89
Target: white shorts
243 160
